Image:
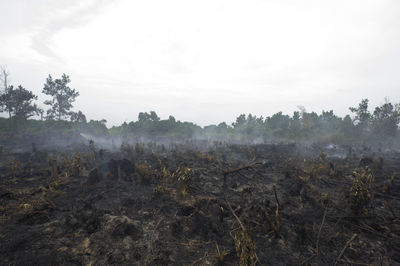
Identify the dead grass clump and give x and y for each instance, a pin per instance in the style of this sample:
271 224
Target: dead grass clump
164 175
221 255
313 169
361 194
14 167
184 175
144 172
54 168
388 184
245 248
158 191
322 156
208 158
76 166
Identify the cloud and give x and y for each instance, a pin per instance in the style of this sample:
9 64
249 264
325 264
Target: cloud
42 19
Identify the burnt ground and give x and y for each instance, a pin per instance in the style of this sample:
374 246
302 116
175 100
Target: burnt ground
150 205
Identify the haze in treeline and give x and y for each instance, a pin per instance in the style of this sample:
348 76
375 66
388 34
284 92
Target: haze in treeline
363 124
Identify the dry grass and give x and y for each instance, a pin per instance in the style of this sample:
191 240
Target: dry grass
184 175
361 191
245 248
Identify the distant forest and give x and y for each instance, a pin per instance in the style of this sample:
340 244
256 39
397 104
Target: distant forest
18 103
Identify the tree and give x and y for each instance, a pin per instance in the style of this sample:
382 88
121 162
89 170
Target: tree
19 102
295 125
240 121
62 97
148 117
362 116
6 101
172 119
78 117
4 79
96 128
278 124
385 119
154 117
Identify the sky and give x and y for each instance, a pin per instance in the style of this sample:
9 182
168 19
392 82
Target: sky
205 61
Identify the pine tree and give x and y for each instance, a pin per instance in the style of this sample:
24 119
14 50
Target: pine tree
62 97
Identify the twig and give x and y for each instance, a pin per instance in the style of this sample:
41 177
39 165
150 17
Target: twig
354 217
355 263
197 243
320 229
276 196
240 223
199 259
277 221
234 214
268 218
155 228
308 259
345 247
246 167
318 237
236 170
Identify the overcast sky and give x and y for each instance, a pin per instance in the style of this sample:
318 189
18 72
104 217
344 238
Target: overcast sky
205 61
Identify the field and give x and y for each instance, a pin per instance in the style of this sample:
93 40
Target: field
200 203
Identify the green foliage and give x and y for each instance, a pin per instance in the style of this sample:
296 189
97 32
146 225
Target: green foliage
385 119
362 115
94 128
62 97
19 102
78 117
150 125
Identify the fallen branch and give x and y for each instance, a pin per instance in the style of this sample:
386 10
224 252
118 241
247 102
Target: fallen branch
354 263
234 214
345 247
152 235
241 225
308 259
200 259
236 170
277 225
246 167
354 217
320 229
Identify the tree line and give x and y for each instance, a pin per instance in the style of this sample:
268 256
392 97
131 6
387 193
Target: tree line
381 124
360 125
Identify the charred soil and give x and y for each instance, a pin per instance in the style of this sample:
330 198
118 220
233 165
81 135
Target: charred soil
222 205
